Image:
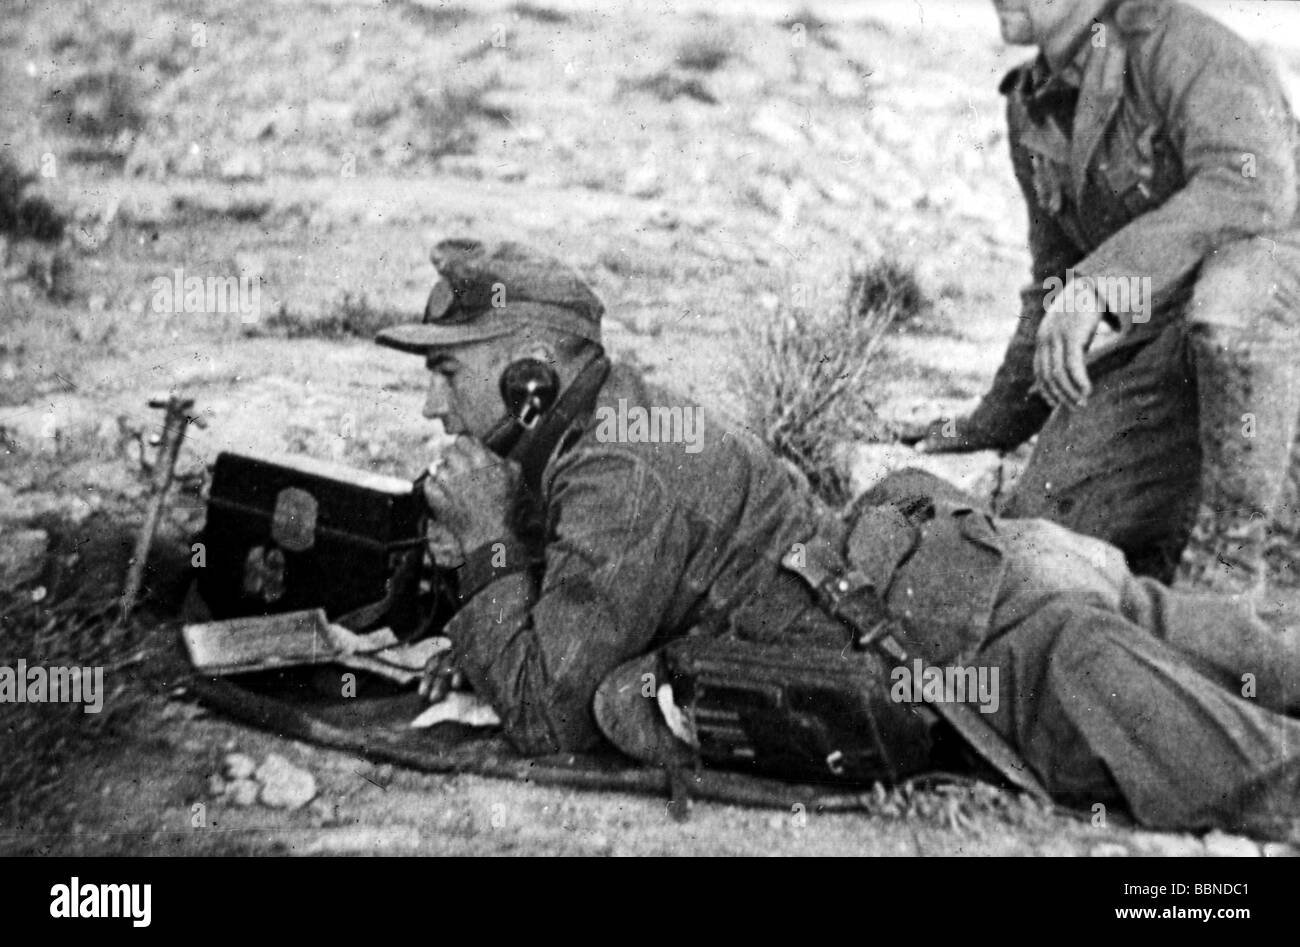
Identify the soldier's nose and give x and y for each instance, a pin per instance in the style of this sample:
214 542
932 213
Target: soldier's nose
437 403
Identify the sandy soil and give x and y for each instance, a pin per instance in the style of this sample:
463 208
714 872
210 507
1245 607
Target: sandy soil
701 168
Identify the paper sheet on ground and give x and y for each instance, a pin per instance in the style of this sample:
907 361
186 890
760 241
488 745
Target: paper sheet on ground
459 707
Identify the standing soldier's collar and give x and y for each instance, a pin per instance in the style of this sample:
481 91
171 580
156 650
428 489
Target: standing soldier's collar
1044 93
1070 66
1129 17
1035 78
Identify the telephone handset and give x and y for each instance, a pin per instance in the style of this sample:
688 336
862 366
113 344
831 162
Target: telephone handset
529 388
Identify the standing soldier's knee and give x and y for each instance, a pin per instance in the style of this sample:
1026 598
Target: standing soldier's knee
1252 286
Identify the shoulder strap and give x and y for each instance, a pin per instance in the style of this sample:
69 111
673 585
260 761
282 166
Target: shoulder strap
850 598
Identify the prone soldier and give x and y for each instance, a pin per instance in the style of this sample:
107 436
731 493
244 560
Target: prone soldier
598 559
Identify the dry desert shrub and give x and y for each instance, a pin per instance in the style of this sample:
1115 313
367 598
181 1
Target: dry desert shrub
23 214
538 13
432 16
451 116
704 53
807 381
107 73
667 86
46 742
68 617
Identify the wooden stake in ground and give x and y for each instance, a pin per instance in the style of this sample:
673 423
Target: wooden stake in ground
177 416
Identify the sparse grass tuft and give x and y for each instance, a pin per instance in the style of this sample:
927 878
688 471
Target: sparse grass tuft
434 17
23 214
813 27
449 117
667 86
45 740
888 285
108 74
703 54
807 381
103 103
351 317
807 18
49 746
539 14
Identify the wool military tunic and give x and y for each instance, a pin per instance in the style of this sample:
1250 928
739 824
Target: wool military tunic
1112 688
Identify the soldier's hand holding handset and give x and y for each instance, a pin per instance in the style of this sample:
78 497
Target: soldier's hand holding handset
469 490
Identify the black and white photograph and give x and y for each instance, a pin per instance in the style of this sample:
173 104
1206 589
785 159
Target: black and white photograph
594 428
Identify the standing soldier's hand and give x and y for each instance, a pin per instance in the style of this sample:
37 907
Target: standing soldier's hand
1060 366
469 491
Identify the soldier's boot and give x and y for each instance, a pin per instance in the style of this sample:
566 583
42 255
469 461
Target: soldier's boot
1247 395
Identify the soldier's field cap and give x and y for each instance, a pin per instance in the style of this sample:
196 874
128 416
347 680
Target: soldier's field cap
489 290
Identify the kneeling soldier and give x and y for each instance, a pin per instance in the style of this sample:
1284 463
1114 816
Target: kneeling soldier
1157 155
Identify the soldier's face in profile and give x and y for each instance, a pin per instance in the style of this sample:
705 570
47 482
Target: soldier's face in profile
464 387
1032 22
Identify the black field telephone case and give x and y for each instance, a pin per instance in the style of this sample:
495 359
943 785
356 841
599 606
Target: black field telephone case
290 533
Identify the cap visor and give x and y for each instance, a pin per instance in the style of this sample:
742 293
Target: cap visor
418 338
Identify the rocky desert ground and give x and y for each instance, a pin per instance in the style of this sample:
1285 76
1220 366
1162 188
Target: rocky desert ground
709 167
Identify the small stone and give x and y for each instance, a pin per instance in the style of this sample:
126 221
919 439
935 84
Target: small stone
323 812
1223 845
216 785
243 792
643 181
239 766
1108 850
1167 844
285 786
242 166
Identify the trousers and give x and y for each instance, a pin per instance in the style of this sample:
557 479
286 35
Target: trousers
1118 689
1127 466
